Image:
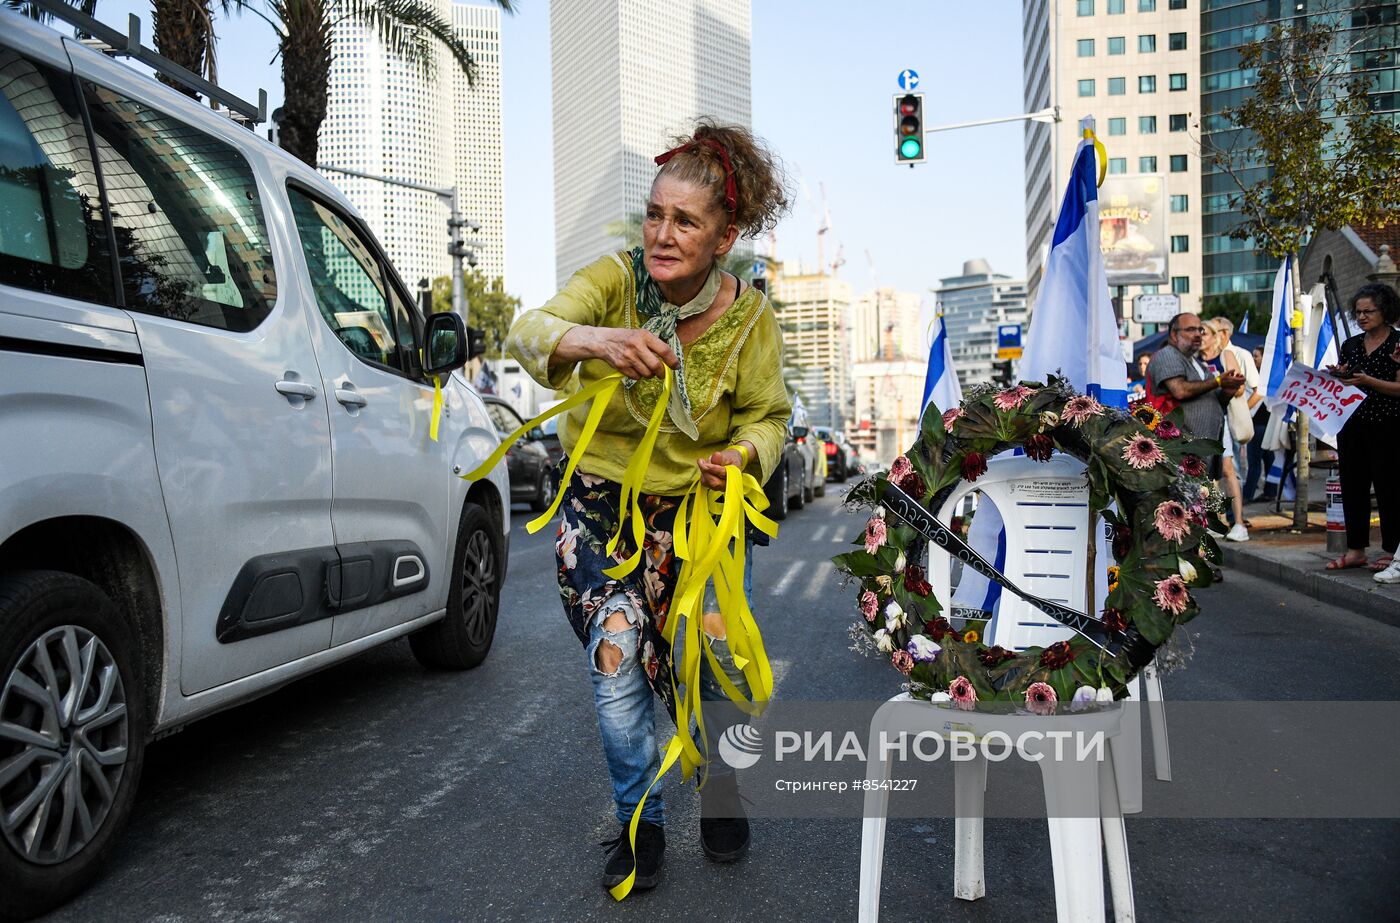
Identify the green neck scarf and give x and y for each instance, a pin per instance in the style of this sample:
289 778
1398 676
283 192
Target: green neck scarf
661 318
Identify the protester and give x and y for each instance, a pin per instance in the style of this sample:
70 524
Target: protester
1213 355
1259 460
1368 446
666 303
1137 382
1239 417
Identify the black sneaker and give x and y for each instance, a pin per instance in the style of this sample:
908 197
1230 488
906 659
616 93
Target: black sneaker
724 828
651 850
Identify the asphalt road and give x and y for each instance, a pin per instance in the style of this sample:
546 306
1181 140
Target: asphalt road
378 791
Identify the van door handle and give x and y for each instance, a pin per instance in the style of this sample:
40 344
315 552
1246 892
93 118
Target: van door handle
349 397
295 389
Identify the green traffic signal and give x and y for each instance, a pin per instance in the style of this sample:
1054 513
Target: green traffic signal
909 128
910 148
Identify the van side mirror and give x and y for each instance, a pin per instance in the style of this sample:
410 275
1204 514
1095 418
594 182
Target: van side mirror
446 338
476 342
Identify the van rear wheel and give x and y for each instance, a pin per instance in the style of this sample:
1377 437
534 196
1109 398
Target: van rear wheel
72 736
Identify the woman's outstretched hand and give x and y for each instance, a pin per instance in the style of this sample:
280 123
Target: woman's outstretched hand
712 470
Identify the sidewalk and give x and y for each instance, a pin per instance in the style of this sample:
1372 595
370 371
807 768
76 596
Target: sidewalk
1299 561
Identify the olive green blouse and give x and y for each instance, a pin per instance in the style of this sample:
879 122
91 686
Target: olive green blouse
733 372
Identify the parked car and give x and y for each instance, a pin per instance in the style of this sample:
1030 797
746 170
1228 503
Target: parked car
528 462
216 473
841 458
787 485
551 441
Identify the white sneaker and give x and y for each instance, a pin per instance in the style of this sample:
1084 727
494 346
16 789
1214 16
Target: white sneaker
1391 574
1237 533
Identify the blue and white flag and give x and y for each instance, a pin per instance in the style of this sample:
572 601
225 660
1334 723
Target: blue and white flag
1073 330
941 381
1326 352
1244 324
986 536
1278 345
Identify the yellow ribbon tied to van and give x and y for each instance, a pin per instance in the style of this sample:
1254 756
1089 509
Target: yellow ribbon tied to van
709 541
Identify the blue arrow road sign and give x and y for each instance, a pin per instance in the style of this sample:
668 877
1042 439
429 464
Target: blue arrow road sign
760 269
908 80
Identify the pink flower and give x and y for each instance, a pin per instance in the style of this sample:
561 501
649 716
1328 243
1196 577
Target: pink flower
869 605
1081 408
950 417
1168 430
962 693
1193 466
1012 398
1171 521
903 661
1041 699
900 469
874 534
1171 595
1142 452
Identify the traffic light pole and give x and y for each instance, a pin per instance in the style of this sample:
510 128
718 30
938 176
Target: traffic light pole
458 248
1051 114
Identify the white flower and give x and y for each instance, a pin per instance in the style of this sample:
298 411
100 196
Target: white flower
883 643
879 512
922 648
1084 695
899 563
895 618
1104 694
940 697
1188 573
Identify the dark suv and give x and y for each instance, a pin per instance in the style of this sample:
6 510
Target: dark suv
528 461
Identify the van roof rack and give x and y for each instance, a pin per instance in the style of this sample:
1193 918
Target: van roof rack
114 43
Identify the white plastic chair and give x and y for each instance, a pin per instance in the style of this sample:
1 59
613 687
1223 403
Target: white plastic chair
1045 509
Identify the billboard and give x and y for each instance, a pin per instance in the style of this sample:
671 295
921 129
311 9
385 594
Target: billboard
1133 229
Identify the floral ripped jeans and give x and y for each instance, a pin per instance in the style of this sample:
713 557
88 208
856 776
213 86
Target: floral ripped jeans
623 695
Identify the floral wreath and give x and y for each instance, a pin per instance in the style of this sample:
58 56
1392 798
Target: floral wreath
1166 501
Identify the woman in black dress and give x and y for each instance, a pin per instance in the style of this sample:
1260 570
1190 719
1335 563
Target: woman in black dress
1368 447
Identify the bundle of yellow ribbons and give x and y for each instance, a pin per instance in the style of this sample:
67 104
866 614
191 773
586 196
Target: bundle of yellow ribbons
709 540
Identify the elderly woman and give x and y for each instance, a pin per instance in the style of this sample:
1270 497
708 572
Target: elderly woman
1369 445
1220 360
666 303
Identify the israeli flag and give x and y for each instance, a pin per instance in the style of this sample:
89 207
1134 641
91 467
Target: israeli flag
986 536
1326 352
941 386
1278 345
1073 330
1244 324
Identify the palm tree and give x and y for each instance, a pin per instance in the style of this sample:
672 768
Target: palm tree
183 31
410 29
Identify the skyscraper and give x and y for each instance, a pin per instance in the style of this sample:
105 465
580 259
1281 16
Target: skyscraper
1226 25
385 119
974 304
1134 65
885 325
628 76
814 311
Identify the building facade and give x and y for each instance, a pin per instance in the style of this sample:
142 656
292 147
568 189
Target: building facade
1226 25
1134 65
814 313
888 395
885 324
384 118
973 305
628 76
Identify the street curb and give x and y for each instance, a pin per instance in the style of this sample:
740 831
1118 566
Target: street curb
1315 584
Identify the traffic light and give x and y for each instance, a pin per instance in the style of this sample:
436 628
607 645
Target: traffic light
909 128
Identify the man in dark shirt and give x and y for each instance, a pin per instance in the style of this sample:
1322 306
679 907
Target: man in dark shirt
1177 370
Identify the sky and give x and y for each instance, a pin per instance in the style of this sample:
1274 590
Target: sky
824 75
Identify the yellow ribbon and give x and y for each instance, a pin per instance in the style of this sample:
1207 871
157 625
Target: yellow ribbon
437 408
1099 150
632 480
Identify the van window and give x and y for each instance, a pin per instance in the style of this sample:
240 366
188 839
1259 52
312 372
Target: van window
350 288
191 241
52 235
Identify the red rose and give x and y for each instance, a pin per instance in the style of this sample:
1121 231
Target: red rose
992 656
1122 537
913 485
1056 655
974 465
915 581
1114 621
938 629
1040 447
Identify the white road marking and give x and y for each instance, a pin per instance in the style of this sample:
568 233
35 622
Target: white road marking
820 533
785 581
820 582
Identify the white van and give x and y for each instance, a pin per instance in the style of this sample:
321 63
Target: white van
216 471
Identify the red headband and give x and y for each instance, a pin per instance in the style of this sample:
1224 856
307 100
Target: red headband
731 189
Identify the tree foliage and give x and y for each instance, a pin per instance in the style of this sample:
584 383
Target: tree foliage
1234 305
489 306
1308 153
